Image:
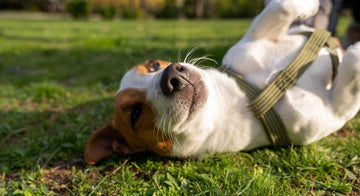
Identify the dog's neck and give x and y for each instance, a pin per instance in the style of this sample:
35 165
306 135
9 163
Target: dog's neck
236 130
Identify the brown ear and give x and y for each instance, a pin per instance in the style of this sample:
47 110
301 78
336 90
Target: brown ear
100 144
104 142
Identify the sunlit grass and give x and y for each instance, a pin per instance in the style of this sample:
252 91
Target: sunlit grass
57 81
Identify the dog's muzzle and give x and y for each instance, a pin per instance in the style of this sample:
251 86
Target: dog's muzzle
176 78
184 89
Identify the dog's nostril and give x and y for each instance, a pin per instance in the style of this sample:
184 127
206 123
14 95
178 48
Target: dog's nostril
180 68
173 79
175 83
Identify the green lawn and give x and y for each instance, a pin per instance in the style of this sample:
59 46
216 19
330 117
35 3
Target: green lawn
57 82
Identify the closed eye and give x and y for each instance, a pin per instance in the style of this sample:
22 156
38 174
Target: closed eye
136 111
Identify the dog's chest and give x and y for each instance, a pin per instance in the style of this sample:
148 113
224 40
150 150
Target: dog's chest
260 61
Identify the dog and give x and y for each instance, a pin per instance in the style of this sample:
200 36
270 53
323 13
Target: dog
181 110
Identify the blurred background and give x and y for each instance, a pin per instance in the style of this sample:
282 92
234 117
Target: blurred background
326 18
109 9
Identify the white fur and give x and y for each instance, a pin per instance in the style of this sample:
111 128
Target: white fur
311 110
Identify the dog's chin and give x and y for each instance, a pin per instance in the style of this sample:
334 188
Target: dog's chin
179 109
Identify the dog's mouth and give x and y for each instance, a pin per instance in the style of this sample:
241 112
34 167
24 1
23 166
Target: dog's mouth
180 96
194 99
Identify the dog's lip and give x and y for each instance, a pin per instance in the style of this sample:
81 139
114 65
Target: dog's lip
193 101
195 87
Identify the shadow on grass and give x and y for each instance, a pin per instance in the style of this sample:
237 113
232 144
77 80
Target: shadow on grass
54 138
84 67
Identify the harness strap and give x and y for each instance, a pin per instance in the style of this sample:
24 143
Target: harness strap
275 129
331 44
288 77
332 49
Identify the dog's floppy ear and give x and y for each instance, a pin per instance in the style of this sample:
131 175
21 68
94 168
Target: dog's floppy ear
104 142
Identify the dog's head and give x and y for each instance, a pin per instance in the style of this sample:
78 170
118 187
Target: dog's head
155 101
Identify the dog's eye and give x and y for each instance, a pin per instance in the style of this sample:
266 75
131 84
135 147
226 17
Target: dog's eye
154 67
136 111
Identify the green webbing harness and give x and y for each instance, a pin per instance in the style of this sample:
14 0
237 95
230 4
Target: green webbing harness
261 102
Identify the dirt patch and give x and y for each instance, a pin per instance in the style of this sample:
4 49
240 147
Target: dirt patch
142 175
58 180
92 176
68 164
357 185
345 132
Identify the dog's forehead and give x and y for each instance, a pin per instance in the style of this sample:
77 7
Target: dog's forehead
132 79
142 75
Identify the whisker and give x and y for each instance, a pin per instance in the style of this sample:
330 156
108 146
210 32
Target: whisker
197 61
171 137
176 141
190 53
162 120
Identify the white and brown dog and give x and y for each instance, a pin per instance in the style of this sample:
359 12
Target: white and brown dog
178 109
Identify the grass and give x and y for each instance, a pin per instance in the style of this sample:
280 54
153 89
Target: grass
57 82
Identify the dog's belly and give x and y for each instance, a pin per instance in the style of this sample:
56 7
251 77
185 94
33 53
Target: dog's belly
307 116
304 108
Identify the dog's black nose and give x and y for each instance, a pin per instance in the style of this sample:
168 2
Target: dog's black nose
174 78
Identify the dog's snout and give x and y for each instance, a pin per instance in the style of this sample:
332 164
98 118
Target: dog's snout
174 78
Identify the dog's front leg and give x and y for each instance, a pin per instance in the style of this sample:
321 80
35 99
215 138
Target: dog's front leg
346 90
274 22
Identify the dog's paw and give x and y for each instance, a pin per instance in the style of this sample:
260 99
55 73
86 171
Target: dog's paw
352 58
302 9
354 51
355 46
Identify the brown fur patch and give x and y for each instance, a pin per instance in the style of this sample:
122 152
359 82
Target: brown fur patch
151 66
123 137
144 136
